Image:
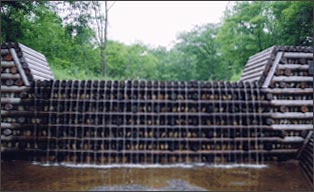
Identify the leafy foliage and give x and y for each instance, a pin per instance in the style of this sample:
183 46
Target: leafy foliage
207 52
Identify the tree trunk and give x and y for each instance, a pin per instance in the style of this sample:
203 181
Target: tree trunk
104 46
103 60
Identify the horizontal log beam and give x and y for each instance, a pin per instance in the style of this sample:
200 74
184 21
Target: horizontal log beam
292 115
292 102
293 66
11 100
7 64
9 125
298 55
288 90
293 79
14 88
4 51
292 126
10 76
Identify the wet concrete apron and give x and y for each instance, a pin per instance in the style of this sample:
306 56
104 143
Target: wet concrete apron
283 176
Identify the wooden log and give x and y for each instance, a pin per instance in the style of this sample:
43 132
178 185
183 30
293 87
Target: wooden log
43 75
36 77
289 91
259 66
291 102
33 56
7 64
11 100
19 66
30 58
5 70
19 82
304 109
293 66
253 71
13 70
10 76
8 106
283 109
293 79
4 51
13 88
261 58
259 61
272 70
287 72
291 139
40 68
8 57
6 132
9 125
292 126
30 50
252 76
262 53
298 55
292 115
9 82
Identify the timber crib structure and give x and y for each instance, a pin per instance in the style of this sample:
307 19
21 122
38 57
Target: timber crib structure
266 116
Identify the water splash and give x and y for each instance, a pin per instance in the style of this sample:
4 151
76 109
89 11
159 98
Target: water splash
144 166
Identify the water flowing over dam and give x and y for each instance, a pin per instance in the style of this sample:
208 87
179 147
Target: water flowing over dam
264 118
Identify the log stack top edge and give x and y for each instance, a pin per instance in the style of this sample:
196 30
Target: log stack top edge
34 64
259 65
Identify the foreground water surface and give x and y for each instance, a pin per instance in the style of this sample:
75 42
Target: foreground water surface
283 176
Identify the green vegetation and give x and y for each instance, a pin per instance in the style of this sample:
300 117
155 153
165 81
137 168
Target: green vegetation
208 52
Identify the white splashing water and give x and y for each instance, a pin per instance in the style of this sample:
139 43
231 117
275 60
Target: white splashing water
178 165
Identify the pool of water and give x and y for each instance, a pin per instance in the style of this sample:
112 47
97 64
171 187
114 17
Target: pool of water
281 176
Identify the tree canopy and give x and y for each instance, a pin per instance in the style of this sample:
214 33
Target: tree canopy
207 52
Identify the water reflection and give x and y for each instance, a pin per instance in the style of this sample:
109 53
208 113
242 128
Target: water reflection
276 177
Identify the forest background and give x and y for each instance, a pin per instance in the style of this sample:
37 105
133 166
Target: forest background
71 36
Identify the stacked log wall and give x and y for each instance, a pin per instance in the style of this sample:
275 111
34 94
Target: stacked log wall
101 122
